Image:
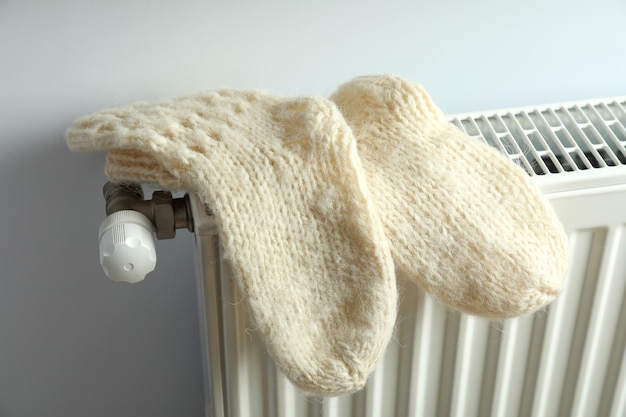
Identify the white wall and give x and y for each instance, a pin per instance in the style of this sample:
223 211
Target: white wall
73 343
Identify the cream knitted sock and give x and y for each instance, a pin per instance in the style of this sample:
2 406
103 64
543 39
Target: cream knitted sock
284 181
464 222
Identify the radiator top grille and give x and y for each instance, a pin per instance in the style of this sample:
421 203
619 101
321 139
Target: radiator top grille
555 139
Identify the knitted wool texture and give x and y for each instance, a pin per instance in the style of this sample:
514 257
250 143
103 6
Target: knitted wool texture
296 220
464 222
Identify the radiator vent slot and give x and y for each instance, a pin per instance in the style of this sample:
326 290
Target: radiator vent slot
555 139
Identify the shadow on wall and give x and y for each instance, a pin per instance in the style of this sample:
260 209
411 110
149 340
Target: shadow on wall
73 342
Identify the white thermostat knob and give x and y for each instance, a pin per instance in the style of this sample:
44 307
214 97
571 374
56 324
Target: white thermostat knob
127 251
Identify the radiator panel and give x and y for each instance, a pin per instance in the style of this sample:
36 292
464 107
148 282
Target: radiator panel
567 360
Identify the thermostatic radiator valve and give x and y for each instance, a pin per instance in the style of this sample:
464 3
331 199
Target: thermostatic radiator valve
127 250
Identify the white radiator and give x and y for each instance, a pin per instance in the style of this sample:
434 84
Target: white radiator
567 361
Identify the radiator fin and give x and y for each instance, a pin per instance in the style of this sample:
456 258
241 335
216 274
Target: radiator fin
565 361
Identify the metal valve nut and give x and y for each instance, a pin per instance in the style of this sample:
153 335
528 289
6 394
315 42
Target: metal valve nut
164 220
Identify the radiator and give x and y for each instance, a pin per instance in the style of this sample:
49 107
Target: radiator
569 360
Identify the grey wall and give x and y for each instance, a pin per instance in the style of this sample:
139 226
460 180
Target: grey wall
73 343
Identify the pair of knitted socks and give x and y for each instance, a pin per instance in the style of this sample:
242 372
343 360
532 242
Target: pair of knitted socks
318 200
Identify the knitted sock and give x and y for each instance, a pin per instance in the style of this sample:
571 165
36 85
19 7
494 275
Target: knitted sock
283 179
464 222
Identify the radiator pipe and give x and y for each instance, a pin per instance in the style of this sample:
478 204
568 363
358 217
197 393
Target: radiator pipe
166 213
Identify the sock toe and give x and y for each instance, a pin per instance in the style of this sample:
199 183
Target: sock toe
464 222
